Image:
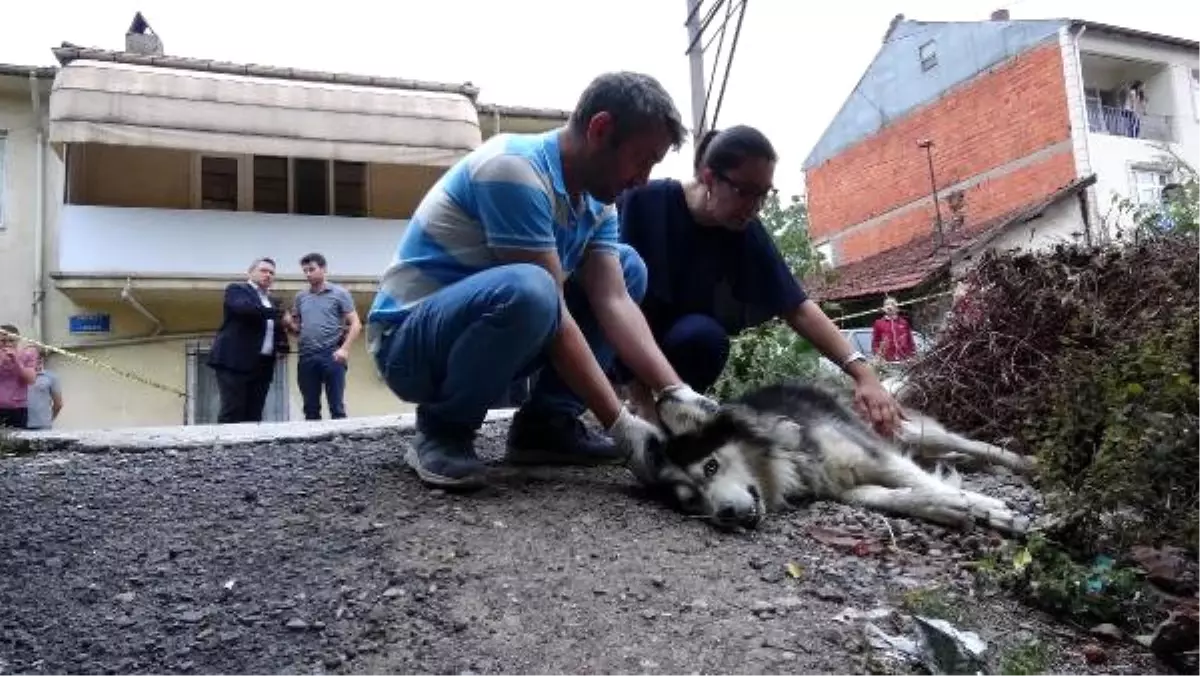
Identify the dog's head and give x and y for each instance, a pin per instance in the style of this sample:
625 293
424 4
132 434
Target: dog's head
719 469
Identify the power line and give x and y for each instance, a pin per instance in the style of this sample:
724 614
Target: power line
716 59
721 29
737 32
712 11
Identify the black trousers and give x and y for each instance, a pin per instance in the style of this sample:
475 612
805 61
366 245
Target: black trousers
244 393
14 418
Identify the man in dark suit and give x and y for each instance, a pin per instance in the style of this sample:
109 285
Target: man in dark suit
251 336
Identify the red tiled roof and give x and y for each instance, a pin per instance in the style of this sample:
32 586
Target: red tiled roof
912 263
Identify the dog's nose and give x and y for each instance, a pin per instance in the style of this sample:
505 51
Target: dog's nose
727 514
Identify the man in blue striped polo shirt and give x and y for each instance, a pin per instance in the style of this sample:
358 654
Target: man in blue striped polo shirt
510 266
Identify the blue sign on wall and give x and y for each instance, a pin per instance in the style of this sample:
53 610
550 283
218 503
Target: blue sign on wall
93 323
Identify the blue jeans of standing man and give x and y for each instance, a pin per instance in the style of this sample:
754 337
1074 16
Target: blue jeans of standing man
460 348
319 370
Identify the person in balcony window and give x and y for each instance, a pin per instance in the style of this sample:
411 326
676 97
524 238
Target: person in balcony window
1134 108
714 270
511 266
244 351
891 334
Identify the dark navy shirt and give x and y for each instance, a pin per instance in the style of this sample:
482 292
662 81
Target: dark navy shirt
738 278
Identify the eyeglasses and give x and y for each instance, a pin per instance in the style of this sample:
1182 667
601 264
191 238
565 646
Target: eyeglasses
746 192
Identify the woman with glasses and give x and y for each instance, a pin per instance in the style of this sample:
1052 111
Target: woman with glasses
714 270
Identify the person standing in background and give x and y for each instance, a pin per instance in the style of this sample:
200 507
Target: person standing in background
251 336
891 335
18 370
324 318
45 397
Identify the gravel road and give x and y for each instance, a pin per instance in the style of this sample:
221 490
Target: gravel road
329 557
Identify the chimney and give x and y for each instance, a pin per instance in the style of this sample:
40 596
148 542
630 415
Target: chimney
1000 15
141 39
892 26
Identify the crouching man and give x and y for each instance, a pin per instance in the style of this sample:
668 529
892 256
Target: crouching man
511 267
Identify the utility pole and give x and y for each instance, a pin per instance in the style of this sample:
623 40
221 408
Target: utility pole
928 146
696 60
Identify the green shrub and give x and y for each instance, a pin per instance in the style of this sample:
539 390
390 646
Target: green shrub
763 355
1117 443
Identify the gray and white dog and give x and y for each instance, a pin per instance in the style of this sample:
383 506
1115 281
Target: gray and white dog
790 442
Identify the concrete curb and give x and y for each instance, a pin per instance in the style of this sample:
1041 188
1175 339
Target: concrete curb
142 439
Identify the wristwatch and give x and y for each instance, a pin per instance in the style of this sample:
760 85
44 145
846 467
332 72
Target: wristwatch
853 357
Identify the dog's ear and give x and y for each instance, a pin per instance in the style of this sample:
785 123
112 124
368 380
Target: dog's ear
730 423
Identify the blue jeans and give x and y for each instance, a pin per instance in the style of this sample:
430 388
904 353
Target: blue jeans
314 371
461 348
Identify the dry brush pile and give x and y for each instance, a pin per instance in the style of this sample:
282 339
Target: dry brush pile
1088 359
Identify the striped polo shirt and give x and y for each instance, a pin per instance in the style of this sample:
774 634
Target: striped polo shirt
507 193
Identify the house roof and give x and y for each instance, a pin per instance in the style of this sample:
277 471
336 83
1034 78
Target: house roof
1138 34
524 111
70 52
17 70
913 263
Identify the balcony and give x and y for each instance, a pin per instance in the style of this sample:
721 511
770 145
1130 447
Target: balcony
1107 80
1115 121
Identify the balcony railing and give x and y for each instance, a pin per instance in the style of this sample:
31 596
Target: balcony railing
1120 122
129 241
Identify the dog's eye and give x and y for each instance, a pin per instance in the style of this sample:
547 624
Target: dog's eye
711 467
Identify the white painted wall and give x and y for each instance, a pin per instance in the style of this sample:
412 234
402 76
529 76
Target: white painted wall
104 240
18 201
1061 223
1112 158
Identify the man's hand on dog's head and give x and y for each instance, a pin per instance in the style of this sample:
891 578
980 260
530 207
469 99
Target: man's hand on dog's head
641 443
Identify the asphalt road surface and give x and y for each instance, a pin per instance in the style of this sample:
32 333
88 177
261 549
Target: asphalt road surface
327 556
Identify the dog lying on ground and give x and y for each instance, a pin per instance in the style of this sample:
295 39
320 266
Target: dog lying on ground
790 443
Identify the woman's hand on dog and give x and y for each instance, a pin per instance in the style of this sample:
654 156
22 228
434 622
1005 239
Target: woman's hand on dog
877 406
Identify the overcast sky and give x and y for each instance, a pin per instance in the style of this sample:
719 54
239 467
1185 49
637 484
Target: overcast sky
795 63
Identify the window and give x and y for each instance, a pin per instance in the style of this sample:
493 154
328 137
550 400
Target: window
204 400
310 187
3 147
219 183
349 189
1196 93
1148 185
282 185
928 55
271 184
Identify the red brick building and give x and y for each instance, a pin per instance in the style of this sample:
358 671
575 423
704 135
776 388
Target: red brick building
1003 104
1003 139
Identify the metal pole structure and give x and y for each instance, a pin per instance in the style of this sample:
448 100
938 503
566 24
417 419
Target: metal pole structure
928 146
696 60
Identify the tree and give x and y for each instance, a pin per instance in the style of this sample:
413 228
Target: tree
1175 213
788 225
767 353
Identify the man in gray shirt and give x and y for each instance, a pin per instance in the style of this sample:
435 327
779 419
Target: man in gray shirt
327 324
45 397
